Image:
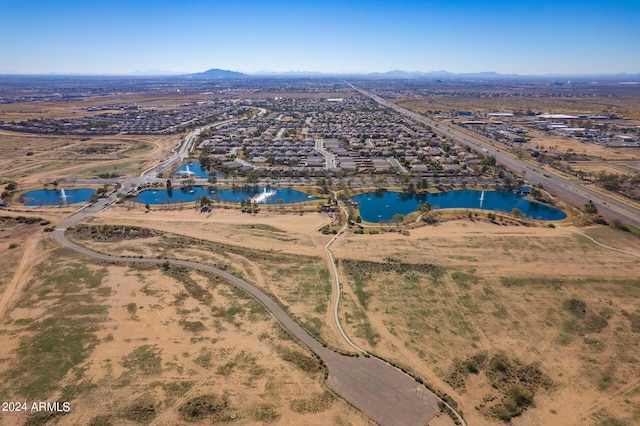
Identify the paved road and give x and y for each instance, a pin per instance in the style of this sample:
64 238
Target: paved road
330 162
395 163
381 391
572 191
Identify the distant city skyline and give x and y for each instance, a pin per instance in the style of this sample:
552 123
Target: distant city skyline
460 36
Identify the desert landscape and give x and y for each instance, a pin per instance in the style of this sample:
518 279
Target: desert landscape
545 312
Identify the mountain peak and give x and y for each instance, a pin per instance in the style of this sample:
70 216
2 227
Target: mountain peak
218 74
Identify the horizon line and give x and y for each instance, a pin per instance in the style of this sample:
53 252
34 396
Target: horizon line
265 73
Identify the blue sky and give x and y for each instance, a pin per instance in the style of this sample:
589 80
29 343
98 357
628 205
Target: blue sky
122 36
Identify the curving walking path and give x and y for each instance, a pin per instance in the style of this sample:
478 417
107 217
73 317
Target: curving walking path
609 247
384 393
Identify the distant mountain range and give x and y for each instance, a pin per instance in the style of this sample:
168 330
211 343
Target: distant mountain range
219 74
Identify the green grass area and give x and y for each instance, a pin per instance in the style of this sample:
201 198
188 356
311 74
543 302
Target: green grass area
515 382
315 404
302 361
262 227
192 326
125 168
210 407
143 410
145 360
243 362
138 148
61 338
264 413
60 344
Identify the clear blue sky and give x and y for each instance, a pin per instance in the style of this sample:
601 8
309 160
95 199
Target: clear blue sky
122 36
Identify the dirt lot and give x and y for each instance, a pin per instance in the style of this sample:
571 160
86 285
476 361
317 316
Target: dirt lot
553 143
608 99
36 159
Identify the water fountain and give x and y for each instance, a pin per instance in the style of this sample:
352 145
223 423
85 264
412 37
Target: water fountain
263 196
186 172
63 196
481 198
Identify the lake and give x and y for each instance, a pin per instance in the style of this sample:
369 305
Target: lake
272 195
54 197
194 169
381 206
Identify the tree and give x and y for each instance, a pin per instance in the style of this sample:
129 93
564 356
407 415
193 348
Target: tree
590 208
397 219
271 160
11 186
147 206
424 207
252 179
103 190
508 182
323 184
205 161
535 192
169 188
405 179
189 182
205 201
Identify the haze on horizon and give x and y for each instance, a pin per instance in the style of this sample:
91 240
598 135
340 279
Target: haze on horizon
122 37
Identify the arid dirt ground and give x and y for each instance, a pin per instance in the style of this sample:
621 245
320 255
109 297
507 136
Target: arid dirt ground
476 309
38 159
607 99
148 345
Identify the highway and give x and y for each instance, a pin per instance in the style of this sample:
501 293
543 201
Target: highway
572 192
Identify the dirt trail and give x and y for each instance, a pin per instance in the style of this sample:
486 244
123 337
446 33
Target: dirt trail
21 276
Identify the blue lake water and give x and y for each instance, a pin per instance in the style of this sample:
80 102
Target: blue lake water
152 196
193 167
53 197
381 206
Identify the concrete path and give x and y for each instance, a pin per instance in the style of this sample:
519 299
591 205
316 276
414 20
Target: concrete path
381 391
